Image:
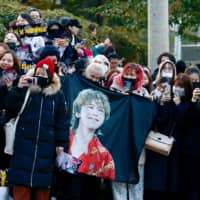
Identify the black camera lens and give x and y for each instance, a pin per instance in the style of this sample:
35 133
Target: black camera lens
29 81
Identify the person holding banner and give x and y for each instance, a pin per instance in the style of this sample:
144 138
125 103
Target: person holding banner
130 80
95 72
36 16
23 21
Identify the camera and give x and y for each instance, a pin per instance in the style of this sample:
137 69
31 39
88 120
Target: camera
32 80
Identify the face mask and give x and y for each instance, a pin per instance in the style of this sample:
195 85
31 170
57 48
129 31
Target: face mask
179 91
11 45
167 74
128 82
55 33
42 82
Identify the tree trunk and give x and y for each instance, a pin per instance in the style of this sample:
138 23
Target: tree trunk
158 30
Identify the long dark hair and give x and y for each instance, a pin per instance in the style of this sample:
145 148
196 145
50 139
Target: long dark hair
15 59
183 80
27 17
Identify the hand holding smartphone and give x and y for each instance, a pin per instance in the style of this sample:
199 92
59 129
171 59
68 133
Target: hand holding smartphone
196 94
167 89
196 85
26 81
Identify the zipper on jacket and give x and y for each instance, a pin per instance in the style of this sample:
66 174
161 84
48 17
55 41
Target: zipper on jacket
53 107
36 147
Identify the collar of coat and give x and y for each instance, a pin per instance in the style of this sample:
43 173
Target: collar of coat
52 89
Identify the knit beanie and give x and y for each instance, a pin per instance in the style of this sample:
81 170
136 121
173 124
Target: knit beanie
49 50
47 64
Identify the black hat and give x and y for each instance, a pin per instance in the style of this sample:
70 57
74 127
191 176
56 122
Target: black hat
52 22
64 21
49 50
54 33
74 22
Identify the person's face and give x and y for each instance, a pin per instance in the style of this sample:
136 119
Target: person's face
130 73
168 68
35 15
94 32
194 77
41 72
53 58
74 30
114 63
7 61
107 42
61 42
94 75
91 116
10 37
21 21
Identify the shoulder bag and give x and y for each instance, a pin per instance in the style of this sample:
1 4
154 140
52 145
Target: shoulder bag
159 142
10 128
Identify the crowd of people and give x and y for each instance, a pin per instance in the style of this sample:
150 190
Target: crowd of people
39 62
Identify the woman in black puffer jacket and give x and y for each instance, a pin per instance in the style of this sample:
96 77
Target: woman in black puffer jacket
42 129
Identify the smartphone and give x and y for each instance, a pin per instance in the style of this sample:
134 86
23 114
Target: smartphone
127 85
167 89
196 85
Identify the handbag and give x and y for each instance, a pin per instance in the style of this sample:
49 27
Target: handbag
10 128
159 142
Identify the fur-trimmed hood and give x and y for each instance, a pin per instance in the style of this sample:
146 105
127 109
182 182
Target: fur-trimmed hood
52 89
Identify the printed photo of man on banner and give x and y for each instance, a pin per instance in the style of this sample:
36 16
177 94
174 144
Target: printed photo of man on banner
91 109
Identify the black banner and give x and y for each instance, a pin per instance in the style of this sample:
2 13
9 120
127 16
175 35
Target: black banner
122 129
29 30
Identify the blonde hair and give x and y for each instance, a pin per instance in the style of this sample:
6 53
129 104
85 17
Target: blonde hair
85 97
103 60
93 66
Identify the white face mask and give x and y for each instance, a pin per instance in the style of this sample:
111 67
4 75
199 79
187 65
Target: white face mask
179 91
167 74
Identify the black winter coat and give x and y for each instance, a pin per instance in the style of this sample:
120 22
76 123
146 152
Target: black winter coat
41 128
162 173
190 163
4 158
